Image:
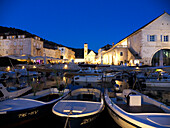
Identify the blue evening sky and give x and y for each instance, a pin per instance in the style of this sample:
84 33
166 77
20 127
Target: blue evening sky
75 22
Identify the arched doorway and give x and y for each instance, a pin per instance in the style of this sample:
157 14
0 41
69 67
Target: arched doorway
161 58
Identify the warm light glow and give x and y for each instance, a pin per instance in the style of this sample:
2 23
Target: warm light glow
23 67
34 66
159 70
8 68
137 67
65 66
136 61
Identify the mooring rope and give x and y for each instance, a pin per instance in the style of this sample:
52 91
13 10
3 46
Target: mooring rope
67 119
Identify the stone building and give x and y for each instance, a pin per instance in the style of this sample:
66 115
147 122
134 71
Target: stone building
149 45
20 45
55 53
89 56
101 51
67 54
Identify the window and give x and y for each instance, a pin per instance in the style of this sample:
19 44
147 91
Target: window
121 53
15 43
21 43
20 52
15 51
166 38
6 52
152 38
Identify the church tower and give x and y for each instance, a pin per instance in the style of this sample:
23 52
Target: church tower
85 51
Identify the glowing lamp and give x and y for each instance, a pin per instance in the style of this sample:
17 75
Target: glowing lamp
8 68
65 66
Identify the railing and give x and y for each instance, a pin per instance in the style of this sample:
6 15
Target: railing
121 46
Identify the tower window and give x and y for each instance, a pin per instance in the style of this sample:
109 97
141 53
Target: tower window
121 53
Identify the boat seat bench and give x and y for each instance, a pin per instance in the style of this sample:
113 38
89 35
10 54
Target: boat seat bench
144 108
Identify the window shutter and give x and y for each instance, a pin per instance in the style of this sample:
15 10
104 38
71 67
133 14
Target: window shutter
168 38
148 38
155 37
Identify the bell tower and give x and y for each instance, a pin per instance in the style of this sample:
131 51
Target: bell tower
85 50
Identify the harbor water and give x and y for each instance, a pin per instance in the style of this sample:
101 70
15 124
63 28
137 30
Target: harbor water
104 120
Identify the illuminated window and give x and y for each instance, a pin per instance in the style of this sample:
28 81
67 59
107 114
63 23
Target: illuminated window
13 37
121 53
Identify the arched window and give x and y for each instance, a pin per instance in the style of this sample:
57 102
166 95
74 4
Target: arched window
161 58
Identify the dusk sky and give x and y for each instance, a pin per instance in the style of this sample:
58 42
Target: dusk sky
75 22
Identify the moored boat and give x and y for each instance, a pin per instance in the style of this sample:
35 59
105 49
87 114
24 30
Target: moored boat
157 83
80 107
8 92
32 106
132 109
87 78
89 72
3 75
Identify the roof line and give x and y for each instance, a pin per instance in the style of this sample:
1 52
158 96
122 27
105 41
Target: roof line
137 30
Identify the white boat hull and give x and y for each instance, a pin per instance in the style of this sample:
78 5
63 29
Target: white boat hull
87 79
158 84
131 117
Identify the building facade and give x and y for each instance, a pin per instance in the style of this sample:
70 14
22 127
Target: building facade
55 53
67 54
149 45
20 45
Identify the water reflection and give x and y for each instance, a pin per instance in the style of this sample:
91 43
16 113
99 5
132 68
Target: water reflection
43 82
47 81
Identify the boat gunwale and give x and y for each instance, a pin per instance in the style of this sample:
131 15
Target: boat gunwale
129 117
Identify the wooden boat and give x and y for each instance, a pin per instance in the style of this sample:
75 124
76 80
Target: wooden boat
157 83
80 107
13 75
87 79
89 72
24 72
3 75
132 109
7 92
32 106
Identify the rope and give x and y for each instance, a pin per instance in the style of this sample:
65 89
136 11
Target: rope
67 119
14 69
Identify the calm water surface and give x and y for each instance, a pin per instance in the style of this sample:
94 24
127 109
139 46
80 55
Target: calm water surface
39 83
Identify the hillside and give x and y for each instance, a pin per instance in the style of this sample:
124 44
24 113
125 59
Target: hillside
5 31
